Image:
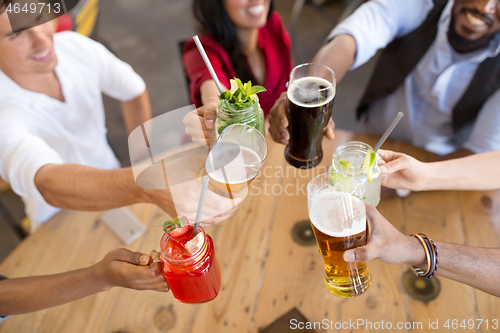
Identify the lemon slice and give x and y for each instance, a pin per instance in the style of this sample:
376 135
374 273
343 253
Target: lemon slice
195 243
368 164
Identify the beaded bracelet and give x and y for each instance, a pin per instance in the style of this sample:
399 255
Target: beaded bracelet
436 255
431 254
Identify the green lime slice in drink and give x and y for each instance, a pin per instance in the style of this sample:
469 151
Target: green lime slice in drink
341 182
335 177
368 163
347 166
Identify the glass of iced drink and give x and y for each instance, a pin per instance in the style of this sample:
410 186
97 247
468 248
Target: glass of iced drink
349 159
338 219
190 265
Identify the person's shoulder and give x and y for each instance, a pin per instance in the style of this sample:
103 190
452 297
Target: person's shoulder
79 51
77 47
274 22
208 42
11 117
275 30
275 18
71 38
214 50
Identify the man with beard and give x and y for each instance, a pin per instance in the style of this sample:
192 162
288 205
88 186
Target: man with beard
440 67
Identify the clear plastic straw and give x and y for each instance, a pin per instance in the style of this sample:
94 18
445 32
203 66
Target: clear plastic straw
388 131
207 63
200 205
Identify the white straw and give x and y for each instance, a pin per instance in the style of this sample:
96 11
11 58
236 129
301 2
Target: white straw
388 131
200 205
207 63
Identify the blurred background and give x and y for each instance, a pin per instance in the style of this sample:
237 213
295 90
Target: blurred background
147 33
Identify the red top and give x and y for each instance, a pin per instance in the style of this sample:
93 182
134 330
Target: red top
274 42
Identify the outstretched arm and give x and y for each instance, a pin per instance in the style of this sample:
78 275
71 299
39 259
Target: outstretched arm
79 187
474 266
74 186
474 172
338 54
119 268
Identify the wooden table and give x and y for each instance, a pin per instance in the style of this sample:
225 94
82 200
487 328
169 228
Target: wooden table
265 273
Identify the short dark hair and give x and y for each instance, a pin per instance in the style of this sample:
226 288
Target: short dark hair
214 20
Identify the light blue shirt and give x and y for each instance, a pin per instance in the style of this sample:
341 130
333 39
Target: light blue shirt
431 91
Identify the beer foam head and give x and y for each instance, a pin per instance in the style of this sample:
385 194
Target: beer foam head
304 92
337 214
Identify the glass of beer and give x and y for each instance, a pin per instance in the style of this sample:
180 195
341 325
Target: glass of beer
311 92
236 159
338 219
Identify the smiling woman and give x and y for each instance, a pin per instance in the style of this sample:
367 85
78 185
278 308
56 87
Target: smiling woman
244 39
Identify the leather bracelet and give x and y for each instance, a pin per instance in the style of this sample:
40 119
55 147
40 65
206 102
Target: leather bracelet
418 270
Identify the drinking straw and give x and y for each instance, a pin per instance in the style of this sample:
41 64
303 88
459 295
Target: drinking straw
388 131
200 205
217 83
207 63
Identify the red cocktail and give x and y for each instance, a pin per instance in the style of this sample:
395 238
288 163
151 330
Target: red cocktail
190 265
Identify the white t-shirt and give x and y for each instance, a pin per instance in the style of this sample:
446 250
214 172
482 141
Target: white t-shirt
36 130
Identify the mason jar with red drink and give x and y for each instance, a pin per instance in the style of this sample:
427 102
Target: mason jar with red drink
190 265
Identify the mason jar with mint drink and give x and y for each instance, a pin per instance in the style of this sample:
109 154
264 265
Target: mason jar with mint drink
357 159
240 106
252 116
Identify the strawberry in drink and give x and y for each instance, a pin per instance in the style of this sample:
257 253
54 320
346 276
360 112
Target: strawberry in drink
189 262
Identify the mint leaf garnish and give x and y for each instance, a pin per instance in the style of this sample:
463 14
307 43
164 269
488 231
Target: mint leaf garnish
242 98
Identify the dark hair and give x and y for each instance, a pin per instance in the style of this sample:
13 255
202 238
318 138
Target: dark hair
214 20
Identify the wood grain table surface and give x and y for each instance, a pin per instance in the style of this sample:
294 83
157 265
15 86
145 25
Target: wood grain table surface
265 273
